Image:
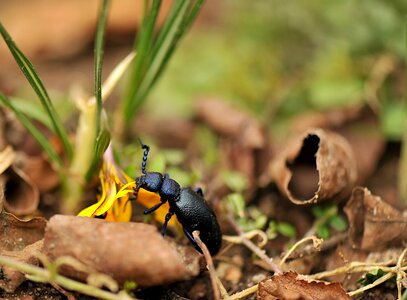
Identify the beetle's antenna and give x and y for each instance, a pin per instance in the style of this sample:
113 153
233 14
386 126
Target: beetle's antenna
145 155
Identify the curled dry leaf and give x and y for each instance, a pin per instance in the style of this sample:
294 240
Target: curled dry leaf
20 240
316 166
291 286
21 195
358 124
124 251
373 223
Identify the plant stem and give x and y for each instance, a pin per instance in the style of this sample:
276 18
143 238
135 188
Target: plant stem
44 276
209 265
83 157
402 182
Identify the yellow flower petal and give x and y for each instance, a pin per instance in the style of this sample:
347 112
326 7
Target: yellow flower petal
89 211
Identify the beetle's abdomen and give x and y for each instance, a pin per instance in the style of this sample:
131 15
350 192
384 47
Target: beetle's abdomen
194 214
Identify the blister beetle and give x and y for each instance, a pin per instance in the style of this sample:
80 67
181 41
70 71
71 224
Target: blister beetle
188 205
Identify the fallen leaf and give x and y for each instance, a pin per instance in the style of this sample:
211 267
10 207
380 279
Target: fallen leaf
20 240
342 255
373 223
243 140
178 135
40 172
358 124
21 195
316 166
124 251
231 122
291 286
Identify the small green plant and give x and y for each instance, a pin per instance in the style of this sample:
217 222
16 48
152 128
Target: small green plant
372 276
81 157
284 228
327 218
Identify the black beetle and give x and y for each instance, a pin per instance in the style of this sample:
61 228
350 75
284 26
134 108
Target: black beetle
188 205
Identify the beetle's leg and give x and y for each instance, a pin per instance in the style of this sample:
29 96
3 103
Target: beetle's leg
145 156
167 219
199 191
153 208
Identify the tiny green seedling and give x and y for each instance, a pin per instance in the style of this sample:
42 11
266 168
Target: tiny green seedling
328 219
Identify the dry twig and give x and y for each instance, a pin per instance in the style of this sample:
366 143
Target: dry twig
249 244
209 264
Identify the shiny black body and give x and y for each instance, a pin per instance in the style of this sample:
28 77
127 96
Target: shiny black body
188 205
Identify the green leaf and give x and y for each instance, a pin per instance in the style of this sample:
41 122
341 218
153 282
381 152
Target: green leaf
28 70
338 223
236 203
371 277
234 180
37 135
393 119
286 229
323 232
317 211
98 64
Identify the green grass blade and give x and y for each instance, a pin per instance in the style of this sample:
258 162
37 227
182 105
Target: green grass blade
143 48
102 142
402 180
99 42
179 20
168 31
32 111
28 70
37 135
186 24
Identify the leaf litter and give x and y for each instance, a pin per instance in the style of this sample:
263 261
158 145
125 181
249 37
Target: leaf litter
306 164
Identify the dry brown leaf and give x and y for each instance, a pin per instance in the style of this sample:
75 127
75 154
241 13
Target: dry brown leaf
40 172
358 124
373 223
343 255
314 167
20 240
291 286
178 135
243 143
231 122
21 195
124 251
